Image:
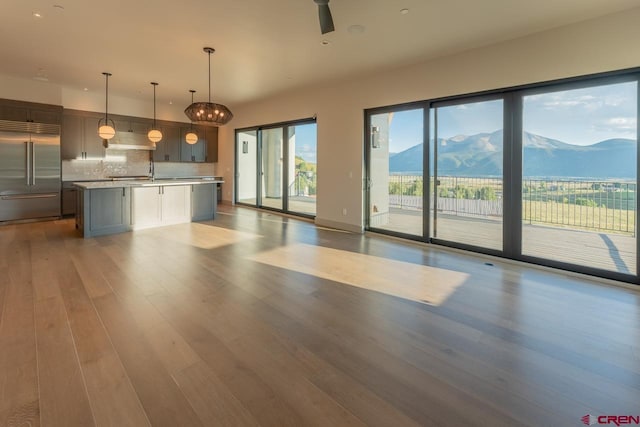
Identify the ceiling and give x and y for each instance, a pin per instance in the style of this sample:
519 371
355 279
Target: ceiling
262 47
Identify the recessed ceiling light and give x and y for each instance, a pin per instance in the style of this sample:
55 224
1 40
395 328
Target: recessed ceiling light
404 11
170 102
36 14
356 29
86 89
325 42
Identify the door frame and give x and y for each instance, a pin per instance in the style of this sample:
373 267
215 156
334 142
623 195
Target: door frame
424 105
259 172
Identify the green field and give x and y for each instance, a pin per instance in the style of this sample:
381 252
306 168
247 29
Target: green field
590 205
577 216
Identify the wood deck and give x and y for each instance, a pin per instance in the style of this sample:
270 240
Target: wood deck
605 250
255 319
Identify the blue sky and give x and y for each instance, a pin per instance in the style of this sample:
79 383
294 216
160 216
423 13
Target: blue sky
306 142
581 117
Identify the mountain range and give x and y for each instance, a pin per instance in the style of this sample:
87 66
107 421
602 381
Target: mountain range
481 155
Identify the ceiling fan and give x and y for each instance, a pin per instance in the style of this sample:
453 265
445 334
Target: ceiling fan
326 21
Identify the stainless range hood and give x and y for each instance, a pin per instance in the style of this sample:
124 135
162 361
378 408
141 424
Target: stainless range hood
129 141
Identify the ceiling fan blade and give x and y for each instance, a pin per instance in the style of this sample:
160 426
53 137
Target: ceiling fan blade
326 21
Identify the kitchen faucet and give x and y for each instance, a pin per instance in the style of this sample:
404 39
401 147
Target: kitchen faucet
152 169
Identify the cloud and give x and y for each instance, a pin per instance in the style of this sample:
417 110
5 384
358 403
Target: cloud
623 122
566 100
620 125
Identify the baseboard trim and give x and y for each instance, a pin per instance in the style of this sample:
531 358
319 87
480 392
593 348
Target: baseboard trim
339 225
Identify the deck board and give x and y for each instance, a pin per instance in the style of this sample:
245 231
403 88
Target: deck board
601 249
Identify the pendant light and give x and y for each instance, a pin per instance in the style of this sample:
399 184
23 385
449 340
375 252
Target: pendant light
208 113
191 137
154 134
106 131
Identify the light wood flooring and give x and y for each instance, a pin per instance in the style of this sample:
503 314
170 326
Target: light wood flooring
255 319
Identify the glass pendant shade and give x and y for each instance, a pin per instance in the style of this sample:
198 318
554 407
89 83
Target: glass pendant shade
154 135
208 113
106 132
191 138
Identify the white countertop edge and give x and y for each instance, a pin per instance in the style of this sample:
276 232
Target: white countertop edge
89 185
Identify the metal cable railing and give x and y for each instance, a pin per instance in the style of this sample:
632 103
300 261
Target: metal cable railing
586 204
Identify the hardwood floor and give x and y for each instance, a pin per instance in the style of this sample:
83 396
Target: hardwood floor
255 319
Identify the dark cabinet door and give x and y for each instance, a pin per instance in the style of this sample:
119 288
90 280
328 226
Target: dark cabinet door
198 151
72 138
93 147
69 201
173 144
108 211
141 126
211 145
203 202
195 152
168 150
44 116
14 113
21 111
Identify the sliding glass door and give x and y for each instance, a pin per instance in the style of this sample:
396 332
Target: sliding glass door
276 167
468 173
579 180
395 184
545 173
302 170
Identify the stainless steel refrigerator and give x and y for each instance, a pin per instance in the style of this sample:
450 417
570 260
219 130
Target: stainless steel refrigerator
29 170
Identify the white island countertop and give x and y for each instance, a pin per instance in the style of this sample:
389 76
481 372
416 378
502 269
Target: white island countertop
91 185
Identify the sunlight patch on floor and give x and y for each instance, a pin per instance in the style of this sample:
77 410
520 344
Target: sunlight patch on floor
414 282
205 236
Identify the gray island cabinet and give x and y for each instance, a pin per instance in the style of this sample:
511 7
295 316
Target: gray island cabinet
107 207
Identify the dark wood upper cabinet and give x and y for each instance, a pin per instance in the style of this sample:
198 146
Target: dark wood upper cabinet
212 145
80 140
21 111
168 149
192 152
205 150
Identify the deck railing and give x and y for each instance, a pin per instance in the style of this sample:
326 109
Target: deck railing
587 204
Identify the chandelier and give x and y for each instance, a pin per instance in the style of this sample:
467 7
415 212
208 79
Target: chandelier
208 113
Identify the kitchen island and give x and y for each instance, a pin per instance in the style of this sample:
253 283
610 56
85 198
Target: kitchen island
108 207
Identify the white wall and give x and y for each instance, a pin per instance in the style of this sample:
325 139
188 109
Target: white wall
604 44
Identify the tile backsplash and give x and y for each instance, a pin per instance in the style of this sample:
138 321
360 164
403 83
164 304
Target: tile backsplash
183 170
129 163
